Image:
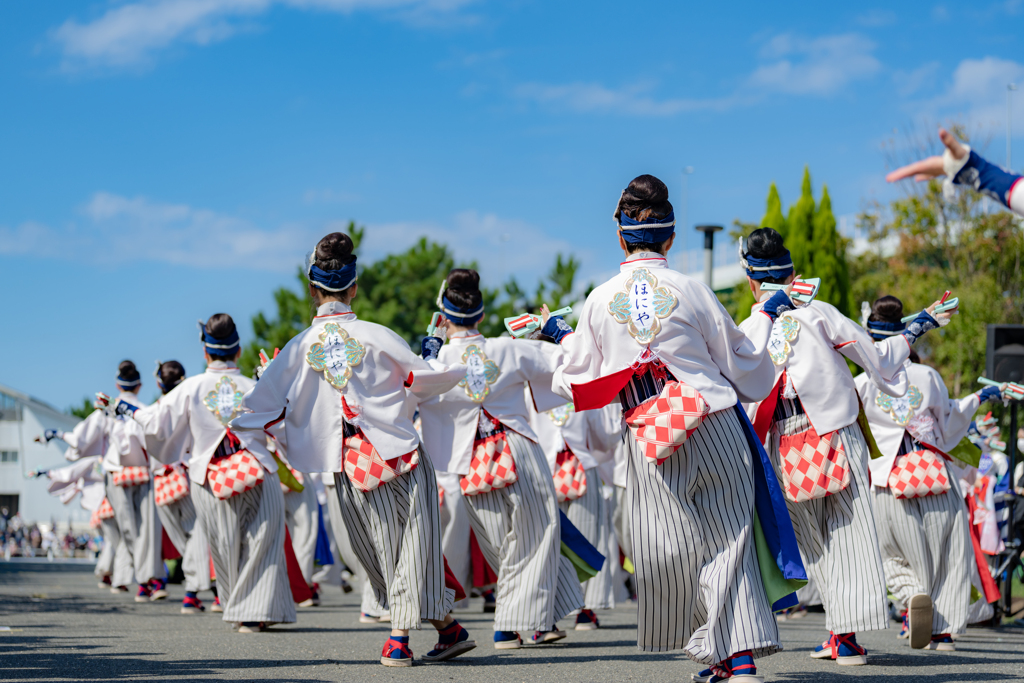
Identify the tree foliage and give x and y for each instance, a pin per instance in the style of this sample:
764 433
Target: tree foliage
800 228
82 410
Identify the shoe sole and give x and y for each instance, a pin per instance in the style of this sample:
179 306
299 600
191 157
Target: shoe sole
746 678
941 647
852 660
369 620
903 636
249 629
508 645
146 598
587 627
387 661
824 654
309 603
162 595
548 638
386 619
920 610
217 610
117 591
452 652
191 610
697 678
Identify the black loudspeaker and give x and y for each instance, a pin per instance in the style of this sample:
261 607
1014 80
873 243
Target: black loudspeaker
1004 355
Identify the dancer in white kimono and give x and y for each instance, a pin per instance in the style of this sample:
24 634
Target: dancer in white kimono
481 427
812 410
652 332
130 488
236 492
89 439
344 392
169 459
923 535
572 444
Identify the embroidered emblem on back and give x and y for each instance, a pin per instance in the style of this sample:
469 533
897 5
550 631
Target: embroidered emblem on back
481 373
335 355
784 330
642 305
561 414
901 409
224 400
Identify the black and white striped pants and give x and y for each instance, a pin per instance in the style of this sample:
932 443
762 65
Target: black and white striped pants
698 582
518 530
590 514
838 538
395 530
925 549
179 521
347 554
246 534
135 511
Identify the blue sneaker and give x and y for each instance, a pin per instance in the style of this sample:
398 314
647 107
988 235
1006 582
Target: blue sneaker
942 642
843 648
545 637
702 677
507 640
905 629
452 641
396 652
737 669
586 620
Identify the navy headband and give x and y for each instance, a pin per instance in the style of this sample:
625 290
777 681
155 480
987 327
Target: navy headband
458 315
880 331
125 382
221 347
761 268
652 231
333 280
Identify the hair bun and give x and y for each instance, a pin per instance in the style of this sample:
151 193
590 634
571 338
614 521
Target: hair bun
464 280
646 196
220 326
765 243
127 371
334 251
886 309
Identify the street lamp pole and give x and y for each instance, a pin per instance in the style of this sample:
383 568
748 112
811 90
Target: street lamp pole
1010 88
686 212
709 250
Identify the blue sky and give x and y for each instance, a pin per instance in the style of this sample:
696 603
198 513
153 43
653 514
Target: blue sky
164 160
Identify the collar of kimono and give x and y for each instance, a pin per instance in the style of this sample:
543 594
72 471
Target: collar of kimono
222 366
646 259
329 308
464 334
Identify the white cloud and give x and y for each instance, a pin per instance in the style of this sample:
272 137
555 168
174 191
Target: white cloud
130 34
817 66
793 65
978 90
877 17
910 82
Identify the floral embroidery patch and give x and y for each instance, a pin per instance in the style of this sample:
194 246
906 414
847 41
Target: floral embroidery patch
784 330
901 409
561 414
642 305
481 373
335 355
224 400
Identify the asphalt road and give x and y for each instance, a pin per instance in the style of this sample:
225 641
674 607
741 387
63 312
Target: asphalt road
64 628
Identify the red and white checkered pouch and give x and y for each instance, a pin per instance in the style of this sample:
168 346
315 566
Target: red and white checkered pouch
918 474
492 466
131 476
661 425
170 484
367 469
570 477
813 466
104 511
232 474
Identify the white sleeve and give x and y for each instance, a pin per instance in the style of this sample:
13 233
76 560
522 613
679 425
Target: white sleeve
881 361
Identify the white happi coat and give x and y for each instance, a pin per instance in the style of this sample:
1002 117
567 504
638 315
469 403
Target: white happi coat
693 336
125 446
89 437
497 371
815 365
84 476
198 411
591 435
926 411
374 369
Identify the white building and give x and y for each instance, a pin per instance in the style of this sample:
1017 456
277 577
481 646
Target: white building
22 419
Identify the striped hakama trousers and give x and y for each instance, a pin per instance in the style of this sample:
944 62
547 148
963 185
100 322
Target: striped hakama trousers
301 515
698 583
838 538
246 535
619 506
925 549
135 512
179 521
591 514
370 605
114 560
455 541
518 531
395 531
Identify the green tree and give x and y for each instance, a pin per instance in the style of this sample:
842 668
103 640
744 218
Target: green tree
829 250
800 228
82 410
773 217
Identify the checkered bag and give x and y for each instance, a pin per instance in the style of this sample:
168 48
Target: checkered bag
367 469
232 474
918 474
170 484
131 476
661 425
298 478
570 478
492 466
813 466
104 511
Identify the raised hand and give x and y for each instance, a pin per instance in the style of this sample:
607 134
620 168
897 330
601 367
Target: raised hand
932 167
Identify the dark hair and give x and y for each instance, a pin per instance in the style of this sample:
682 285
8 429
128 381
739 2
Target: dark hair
537 335
127 371
766 243
220 326
914 358
645 197
886 309
333 252
170 373
464 288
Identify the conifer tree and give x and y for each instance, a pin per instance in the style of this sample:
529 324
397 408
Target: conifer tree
773 217
829 249
800 234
